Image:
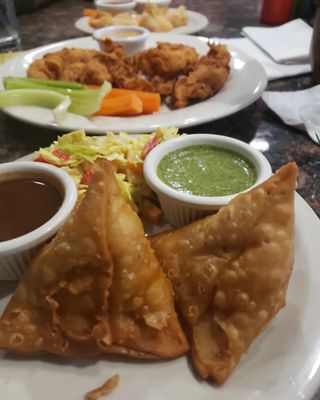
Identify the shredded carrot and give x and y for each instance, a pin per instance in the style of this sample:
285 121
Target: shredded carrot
126 105
151 101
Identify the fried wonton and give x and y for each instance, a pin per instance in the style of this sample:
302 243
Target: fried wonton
141 310
230 271
60 304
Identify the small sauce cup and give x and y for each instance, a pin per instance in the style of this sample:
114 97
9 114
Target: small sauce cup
133 42
181 208
115 7
16 253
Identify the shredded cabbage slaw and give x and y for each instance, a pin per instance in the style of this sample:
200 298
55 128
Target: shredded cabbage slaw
75 153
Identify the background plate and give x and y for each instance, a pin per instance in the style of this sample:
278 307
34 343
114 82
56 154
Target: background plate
282 364
245 84
197 22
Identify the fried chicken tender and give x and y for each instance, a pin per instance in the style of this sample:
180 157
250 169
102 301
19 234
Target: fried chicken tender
207 77
39 69
80 65
205 81
170 69
75 72
163 86
220 53
167 60
123 72
114 49
91 67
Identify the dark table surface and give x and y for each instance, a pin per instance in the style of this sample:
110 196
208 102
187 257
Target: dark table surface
256 124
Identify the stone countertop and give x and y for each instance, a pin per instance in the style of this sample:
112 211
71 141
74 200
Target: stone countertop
256 124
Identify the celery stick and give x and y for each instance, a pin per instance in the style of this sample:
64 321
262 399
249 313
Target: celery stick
21 83
83 102
42 98
47 82
60 112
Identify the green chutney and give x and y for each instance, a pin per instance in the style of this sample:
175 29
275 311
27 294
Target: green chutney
205 170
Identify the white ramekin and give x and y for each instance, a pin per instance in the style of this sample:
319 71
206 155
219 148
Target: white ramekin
16 254
115 7
182 208
160 3
131 44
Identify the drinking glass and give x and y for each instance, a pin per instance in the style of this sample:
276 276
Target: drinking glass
9 28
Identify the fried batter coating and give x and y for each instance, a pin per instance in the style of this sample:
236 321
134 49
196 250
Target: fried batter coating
167 60
178 16
75 72
220 53
106 388
206 78
96 287
142 317
39 69
170 69
163 86
114 49
60 304
205 81
135 83
230 271
153 17
80 65
100 19
155 22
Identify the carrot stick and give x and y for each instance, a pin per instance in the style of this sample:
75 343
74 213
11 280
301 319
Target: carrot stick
126 105
89 12
151 101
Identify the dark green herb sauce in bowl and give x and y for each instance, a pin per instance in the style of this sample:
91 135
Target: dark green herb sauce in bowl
195 175
205 170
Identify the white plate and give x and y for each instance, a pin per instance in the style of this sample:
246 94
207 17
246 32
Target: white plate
246 83
282 364
197 22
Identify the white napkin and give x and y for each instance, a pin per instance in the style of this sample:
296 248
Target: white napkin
273 70
288 43
288 104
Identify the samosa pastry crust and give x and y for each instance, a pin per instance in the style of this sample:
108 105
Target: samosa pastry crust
141 310
230 271
60 304
96 287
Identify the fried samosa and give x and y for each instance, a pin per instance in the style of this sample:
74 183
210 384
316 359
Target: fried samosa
141 310
60 304
96 287
230 271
